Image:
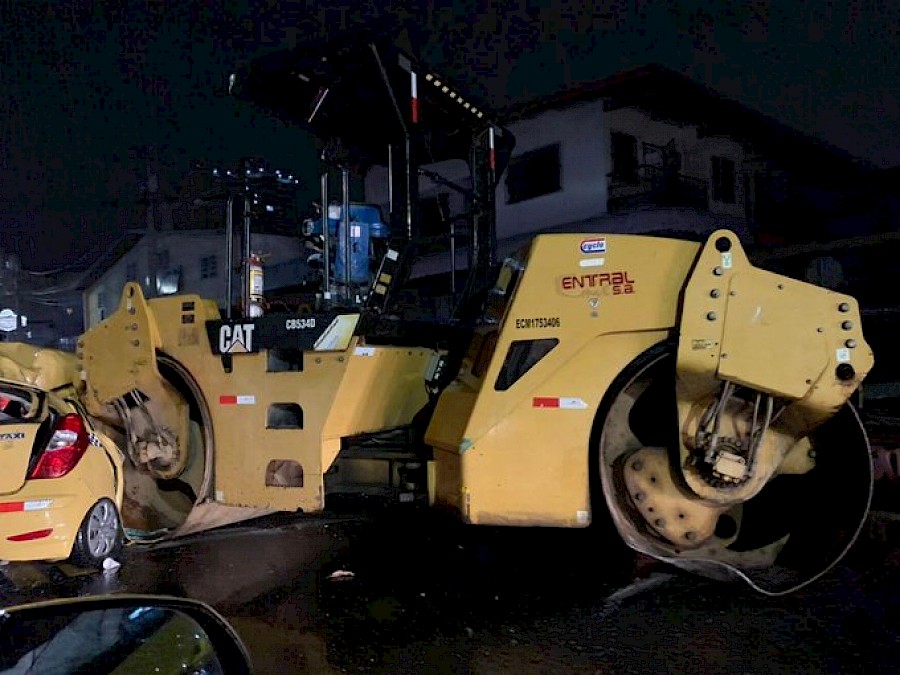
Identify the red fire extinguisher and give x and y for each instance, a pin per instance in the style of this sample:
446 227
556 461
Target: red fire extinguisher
255 283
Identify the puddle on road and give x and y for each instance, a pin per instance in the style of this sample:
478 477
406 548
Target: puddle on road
417 580
429 591
428 595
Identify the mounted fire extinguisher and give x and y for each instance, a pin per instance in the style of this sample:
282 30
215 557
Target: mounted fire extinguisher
255 286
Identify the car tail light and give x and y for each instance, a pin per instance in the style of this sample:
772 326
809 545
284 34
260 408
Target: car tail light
65 448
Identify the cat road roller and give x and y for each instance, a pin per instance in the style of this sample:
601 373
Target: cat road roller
700 402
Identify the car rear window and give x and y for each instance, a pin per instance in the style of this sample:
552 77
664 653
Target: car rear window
18 404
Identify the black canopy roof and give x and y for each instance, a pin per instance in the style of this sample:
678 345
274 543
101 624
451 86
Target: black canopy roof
357 92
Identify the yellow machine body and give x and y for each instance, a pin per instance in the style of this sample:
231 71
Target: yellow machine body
511 438
270 436
537 427
520 454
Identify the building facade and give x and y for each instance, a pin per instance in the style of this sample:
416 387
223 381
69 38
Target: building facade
179 261
650 151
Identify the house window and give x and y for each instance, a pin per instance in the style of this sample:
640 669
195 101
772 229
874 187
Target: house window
624 158
522 356
209 267
131 271
653 155
723 180
533 174
101 305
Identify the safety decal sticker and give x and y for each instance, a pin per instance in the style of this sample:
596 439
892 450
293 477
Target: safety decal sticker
237 400
30 505
558 402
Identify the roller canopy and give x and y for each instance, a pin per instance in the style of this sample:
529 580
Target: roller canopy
367 93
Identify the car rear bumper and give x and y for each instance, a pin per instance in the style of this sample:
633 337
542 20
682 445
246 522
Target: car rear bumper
47 511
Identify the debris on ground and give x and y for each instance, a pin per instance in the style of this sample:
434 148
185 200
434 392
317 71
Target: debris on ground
111 565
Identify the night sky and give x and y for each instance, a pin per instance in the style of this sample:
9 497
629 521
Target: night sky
88 85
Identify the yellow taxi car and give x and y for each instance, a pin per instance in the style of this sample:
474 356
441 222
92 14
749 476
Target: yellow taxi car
61 485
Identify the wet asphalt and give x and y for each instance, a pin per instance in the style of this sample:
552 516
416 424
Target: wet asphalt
408 592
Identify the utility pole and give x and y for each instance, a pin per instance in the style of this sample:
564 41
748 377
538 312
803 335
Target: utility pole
10 297
151 221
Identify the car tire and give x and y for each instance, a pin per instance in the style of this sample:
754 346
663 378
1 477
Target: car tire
100 535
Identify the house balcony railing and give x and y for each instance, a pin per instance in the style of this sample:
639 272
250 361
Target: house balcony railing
655 186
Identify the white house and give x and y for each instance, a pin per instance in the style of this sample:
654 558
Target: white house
587 163
651 151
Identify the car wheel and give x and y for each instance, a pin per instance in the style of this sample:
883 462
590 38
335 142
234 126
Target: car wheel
100 535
